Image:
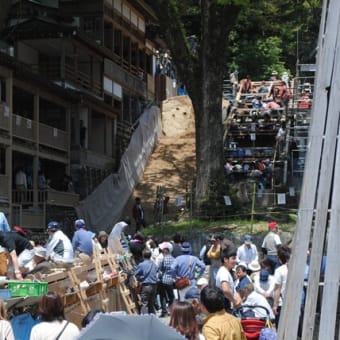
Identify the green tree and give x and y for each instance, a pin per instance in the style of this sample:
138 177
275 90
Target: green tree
202 72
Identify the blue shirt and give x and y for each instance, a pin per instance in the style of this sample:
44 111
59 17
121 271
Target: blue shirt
82 240
187 265
146 272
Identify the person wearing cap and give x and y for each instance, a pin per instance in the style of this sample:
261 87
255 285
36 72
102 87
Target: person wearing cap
59 247
271 242
264 284
40 263
201 283
247 252
165 277
82 241
20 252
274 76
225 279
187 265
214 254
193 296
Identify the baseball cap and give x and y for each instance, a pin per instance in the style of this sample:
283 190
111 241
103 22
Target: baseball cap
273 225
264 274
79 223
192 293
53 225
247 239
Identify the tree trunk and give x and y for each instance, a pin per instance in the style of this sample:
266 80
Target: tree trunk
203 76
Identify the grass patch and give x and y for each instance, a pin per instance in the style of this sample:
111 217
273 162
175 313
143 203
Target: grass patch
238 226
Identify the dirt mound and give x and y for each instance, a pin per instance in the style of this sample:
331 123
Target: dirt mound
172 164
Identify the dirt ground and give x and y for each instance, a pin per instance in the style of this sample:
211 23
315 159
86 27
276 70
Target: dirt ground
172 164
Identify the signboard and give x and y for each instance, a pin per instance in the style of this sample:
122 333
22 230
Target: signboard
307 67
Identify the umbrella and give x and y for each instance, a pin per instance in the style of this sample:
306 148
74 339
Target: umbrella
128 327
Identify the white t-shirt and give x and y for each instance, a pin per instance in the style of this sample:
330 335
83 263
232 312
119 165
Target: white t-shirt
6 331
280 277
224 275
264 287
256 299
50 330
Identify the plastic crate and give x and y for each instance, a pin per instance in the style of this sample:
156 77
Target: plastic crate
22 288
5 294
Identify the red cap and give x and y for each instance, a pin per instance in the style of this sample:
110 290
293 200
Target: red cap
273 225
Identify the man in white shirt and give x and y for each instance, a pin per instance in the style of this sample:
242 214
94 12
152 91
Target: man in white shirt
252 298
59 247
280 278
225 279
247 252
271 242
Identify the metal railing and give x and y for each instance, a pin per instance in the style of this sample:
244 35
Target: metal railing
4 116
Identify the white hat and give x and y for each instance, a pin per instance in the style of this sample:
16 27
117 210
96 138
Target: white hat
202 281
166 245
254 266
40 251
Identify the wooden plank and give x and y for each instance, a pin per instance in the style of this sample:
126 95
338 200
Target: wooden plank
289 321
332 275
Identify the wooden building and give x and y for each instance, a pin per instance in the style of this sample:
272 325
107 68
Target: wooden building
75 76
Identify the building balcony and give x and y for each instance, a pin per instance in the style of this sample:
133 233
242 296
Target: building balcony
39 197
49 136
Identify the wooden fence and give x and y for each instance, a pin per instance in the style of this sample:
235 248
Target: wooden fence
319 210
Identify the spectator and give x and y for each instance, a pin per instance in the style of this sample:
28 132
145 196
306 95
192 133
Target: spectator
117 238
225 280
146 274
103 239
280 278
182 318
193 296
218 325
42 181
264 284
242 277
252 298
187 265
40 264
137 245
59 247
20 252
82 241
271 242
247 252
177 245
214 254
166 279
6 331
138 214
53 324
21 180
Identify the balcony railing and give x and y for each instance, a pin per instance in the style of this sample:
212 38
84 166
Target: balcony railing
50 196
4 117
53 137
23 128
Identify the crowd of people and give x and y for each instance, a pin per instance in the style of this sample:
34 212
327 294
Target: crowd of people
204 295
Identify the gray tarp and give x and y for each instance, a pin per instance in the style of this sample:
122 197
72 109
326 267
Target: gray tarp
104 206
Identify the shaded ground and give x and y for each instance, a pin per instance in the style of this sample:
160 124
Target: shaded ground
172 164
